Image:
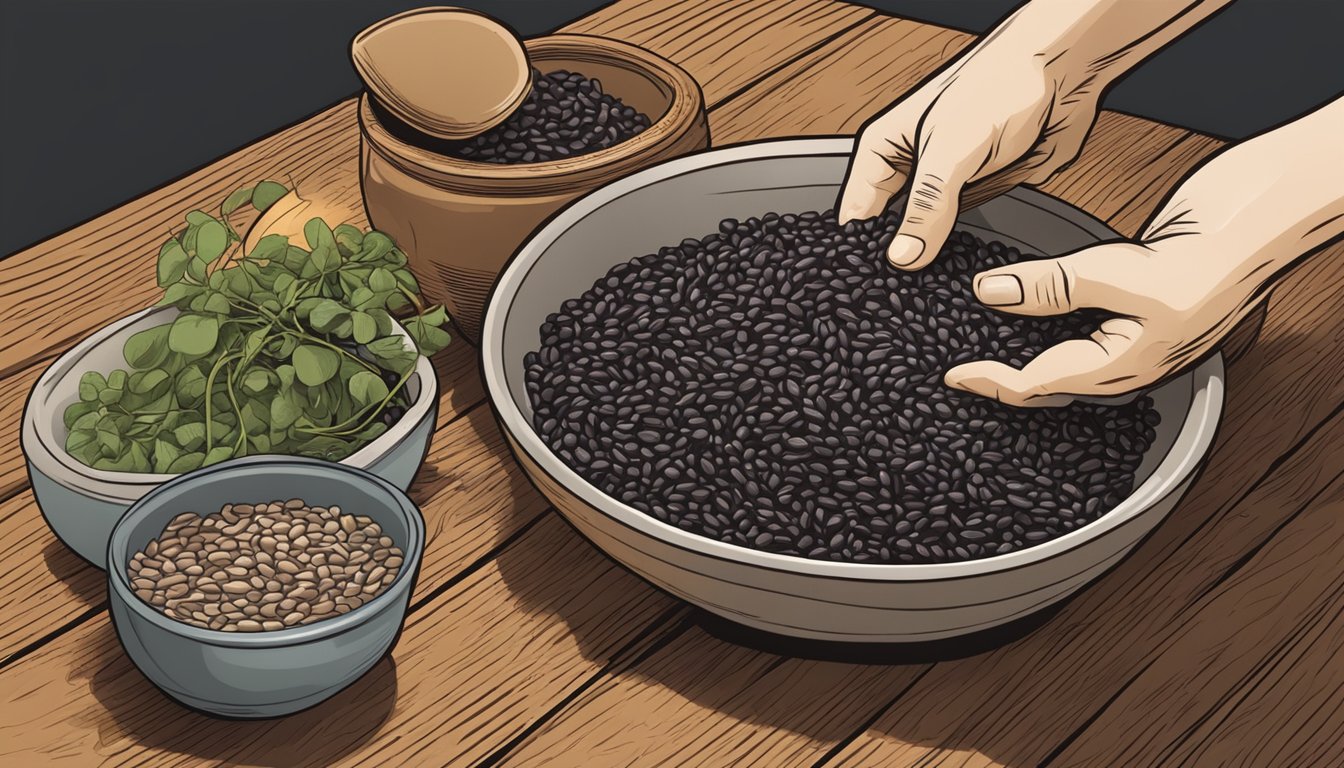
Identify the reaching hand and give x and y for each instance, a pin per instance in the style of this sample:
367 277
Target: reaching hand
997 117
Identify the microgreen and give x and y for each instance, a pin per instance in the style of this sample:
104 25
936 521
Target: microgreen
289 348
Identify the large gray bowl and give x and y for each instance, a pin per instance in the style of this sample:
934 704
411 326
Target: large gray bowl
789 595
262 674
81 504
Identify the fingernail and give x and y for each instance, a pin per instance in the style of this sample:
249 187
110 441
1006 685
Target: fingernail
905 250
1000 291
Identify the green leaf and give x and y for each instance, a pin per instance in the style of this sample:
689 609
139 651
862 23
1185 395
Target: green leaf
216 455
189 436
91 419
407 280
365 327
255 341
326 313
148 348
286 375
150 382
367 388
193 334
266 193
427 330
191 387
285 410
196 269
382 281
392 353
110 441
90 384
383 319
217 302
257 381
75 410
235 201
172 263
165 453
185 463
117 379
318 235
349 239
180 295
236 282
270 248
375 246
211 240
315 365
197 218
296 259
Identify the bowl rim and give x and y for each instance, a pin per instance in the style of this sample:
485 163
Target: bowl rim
685 104
42 449
412 552
1191 444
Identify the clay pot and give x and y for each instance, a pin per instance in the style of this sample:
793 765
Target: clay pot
459 221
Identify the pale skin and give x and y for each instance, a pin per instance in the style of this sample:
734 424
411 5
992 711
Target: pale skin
1016 109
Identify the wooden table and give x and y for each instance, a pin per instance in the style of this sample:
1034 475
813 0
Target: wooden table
1219 642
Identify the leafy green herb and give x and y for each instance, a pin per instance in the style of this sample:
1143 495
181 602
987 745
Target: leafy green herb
287 349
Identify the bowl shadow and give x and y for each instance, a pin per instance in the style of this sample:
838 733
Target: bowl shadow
129 706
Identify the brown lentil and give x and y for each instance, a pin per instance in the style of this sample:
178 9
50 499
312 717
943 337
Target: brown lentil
263 567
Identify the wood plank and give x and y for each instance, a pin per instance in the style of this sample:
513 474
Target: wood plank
472 669
472 495
705 701
14 391
1252 669
724 44
835 88
1018 703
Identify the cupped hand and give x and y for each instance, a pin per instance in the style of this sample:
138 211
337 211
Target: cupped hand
1172 303
1205 262
997 118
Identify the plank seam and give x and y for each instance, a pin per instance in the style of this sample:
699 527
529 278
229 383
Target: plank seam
863 727
1227 574
613 666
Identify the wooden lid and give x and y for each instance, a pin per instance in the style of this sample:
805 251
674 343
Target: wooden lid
449 72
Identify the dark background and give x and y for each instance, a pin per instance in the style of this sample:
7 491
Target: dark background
103 100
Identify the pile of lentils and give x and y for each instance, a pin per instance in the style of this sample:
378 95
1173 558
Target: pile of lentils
777 385
565 114
263 567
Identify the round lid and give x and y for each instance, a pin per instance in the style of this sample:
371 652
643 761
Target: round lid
452 73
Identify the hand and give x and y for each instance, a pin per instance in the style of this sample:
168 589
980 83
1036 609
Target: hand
1015 109
1205 262
997 117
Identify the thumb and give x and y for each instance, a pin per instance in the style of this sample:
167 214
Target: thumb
931 209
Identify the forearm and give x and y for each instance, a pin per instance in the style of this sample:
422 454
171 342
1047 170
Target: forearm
1270 200
1087 44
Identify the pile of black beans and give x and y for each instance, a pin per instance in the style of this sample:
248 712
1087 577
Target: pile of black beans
566 114
777 385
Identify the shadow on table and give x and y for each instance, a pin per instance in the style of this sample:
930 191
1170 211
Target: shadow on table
88 584
129 706
1011 695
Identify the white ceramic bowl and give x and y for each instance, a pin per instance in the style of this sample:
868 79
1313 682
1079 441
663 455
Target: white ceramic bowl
688 197
82 504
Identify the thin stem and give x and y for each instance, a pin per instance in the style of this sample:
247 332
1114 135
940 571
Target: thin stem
209 395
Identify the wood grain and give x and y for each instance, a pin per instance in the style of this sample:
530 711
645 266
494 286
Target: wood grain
704 701
1275 620
14 391
472 669
1015 705
724 44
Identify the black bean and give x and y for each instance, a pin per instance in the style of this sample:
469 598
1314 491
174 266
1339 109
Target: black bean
776 385
565 114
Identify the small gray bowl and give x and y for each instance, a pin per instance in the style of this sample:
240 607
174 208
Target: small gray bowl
262 674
